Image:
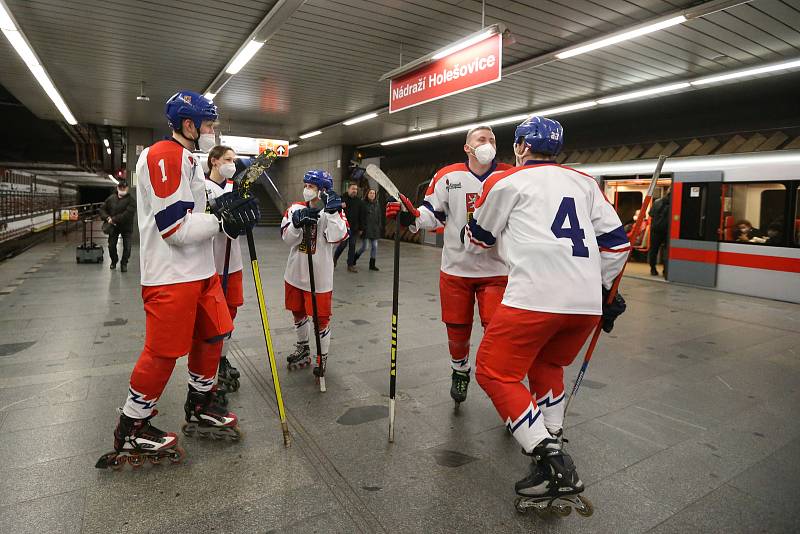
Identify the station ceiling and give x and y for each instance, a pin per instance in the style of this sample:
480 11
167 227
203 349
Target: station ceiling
323 65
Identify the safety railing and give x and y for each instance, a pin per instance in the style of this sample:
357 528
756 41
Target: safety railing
69 218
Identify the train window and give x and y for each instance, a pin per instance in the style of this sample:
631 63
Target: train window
754 213
796 221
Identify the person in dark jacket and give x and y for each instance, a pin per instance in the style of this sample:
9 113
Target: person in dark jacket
355 211
373 228
660 214
119 211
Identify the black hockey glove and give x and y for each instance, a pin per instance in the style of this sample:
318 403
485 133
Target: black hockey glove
612 311
305 217
237 217
216 205
333 202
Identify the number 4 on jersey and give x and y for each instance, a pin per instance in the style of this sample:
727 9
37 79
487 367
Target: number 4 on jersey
574 233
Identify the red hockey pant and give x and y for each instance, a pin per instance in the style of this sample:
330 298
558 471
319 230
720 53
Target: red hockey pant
458 295
186 318
520 343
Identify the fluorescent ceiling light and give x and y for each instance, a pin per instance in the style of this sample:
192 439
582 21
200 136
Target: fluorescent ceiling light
310 134
362 118
566 109
25 52
748 72
21 46
508 120
622 37
209 95
795 63
108 151
293 145
6 23
44 80
463 44
644 92
105 142
113 179
245 55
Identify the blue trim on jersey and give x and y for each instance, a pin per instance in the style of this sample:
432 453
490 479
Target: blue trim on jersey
440 215
485 175
479 234
172 214
614 238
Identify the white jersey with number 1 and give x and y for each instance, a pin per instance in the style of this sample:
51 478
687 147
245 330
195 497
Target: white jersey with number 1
175 233
450 203
559 235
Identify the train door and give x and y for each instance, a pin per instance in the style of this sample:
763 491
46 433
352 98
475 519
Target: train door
695 227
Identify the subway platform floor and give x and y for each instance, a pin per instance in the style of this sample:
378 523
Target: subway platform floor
687 420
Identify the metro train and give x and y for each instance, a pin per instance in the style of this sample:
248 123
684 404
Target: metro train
735 223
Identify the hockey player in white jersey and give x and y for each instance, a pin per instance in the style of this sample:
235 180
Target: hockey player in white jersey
328 227
183 302
464 278
221 162
564 245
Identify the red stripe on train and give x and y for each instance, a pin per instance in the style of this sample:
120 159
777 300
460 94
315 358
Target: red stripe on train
737 259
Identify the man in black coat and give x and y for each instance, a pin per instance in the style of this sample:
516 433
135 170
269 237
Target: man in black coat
660 213
355 211
119 212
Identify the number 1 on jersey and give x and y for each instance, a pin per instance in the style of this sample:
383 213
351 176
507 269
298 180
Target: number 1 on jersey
163 170
574 233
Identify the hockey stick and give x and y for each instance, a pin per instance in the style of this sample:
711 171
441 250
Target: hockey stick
253 173
378 175
615 285
314 316
268 337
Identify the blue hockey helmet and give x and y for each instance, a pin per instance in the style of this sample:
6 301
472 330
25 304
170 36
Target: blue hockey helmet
320 178
189 105
542 135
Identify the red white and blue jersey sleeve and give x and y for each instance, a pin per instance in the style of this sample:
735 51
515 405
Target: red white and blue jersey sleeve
434 209
170 173
174 230
492 210
611 238
291 236
336 227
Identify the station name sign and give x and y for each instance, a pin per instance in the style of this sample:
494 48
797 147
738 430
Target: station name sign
476 65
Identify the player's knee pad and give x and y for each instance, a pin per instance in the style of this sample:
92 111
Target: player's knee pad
458 340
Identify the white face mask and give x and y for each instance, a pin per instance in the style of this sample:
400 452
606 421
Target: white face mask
484 153
122 193
206 142
227 170
309 194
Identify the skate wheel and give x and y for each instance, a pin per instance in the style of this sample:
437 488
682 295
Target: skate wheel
177 455
236 435
155 460
586 509
235 385
117 463
519 505
561 510
136 461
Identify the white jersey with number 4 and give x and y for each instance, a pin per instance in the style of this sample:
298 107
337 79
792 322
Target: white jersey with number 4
214 190
559 235
175 233
450 203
